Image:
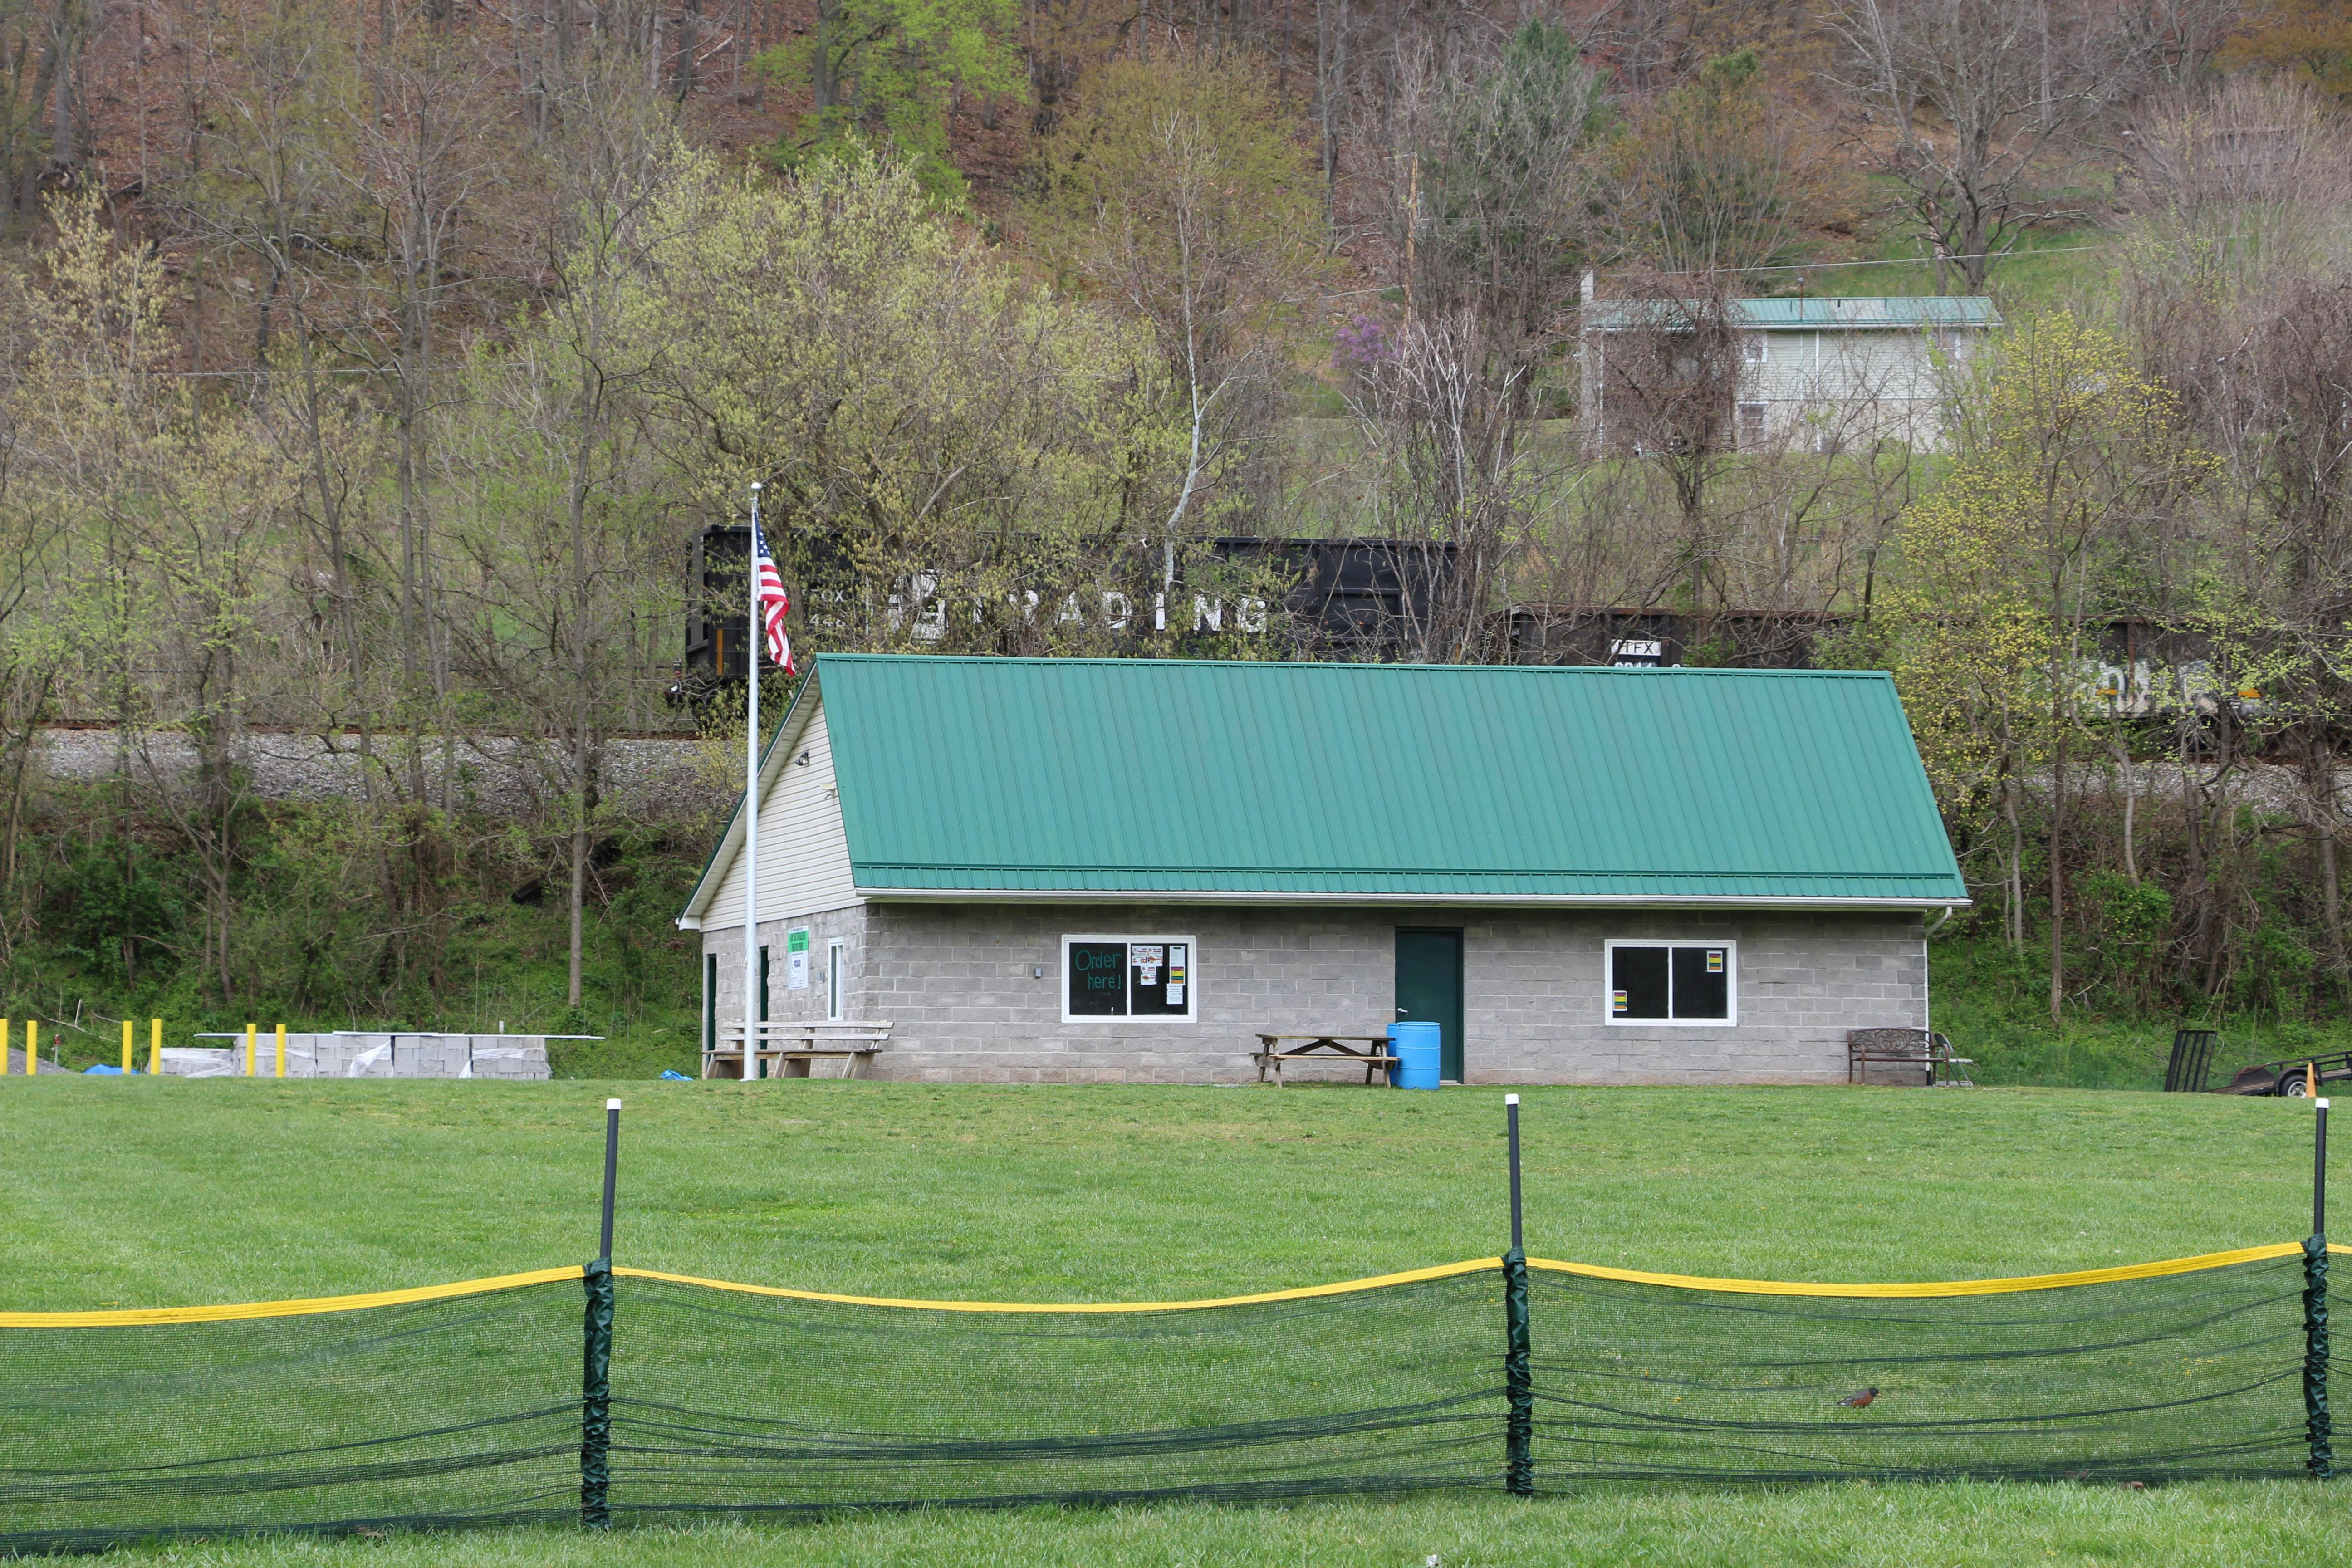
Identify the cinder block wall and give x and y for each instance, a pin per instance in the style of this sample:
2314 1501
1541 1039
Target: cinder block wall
1535 991
786 1005
958 983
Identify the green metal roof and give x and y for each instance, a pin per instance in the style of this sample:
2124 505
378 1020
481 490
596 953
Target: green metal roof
1818 314
1372 781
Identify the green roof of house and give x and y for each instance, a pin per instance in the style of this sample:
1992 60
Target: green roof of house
1372 782
1816 313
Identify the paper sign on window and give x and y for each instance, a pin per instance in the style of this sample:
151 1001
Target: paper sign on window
1617 1001
1147 957
1715 961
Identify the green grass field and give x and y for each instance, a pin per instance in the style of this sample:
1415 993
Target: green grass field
115 1193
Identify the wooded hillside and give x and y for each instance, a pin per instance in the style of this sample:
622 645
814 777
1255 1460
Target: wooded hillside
370 373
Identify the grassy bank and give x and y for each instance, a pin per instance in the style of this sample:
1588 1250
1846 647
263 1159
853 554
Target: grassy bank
501 958
1996 1007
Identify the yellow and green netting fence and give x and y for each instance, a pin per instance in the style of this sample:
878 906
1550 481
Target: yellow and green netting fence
611 1394
502 1400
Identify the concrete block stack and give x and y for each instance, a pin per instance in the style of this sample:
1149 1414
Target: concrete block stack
353 1053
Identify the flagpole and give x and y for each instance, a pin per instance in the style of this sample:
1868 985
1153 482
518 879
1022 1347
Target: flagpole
751 796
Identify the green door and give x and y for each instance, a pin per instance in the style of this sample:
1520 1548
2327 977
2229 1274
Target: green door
1429 989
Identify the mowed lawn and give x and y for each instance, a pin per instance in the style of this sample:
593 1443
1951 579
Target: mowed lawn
153 1193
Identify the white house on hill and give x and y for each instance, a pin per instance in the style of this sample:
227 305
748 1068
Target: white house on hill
1816 375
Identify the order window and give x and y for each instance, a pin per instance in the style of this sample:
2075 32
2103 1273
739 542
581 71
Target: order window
1673 983
1130 977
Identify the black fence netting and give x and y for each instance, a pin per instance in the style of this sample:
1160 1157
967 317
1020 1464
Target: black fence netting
628 1397
731 1402
448 1413
2191 1375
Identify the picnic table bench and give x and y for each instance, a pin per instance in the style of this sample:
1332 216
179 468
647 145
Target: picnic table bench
1273 1053
792 1047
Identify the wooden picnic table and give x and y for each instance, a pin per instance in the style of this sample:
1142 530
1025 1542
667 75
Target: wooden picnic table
1272 1052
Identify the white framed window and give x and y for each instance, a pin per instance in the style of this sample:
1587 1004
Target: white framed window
1753 348
1693 985
1109 976
836 980
1752 417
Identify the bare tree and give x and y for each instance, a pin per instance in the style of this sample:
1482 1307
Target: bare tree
1483 200
1721 172
1176 192
1968 105
1667 378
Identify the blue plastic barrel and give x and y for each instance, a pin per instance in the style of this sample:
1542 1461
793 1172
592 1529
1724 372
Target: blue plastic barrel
1416 1048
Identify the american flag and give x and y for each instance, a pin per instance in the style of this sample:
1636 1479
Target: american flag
773 601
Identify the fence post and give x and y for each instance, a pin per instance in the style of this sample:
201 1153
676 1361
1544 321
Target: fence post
596 1351
597 1398
2317 1426
1518 1381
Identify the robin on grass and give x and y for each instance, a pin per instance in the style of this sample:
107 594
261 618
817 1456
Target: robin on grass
1859 1398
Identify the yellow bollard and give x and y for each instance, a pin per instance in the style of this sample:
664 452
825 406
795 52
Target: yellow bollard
281 1050
249 1051
32 1047
154 1047
126 1048
4 1064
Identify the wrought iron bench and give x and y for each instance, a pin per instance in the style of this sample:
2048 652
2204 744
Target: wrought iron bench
1928 1051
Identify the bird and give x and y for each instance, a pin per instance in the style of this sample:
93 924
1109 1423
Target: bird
1859 1398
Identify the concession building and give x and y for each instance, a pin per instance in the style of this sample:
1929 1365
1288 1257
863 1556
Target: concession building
1073 870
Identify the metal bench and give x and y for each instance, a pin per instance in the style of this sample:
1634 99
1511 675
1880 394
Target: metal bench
1928 1051
789 1049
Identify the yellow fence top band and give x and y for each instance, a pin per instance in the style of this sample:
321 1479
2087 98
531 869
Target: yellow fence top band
239 1311
312 1305
1305 1293
1935 1287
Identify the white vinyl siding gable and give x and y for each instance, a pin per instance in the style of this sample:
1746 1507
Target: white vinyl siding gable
1887 381
804 854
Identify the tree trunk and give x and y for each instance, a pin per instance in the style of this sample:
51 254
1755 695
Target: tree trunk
579 864
2057 883
2013 917
2320 772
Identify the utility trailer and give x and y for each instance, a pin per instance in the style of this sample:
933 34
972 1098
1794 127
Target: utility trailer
2292 1079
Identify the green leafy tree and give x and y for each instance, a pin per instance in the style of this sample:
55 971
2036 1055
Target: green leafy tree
2065 451
949 452
886 70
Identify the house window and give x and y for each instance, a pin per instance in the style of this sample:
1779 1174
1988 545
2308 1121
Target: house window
1752 349
1752 425
1673 983
836 980
1130 977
